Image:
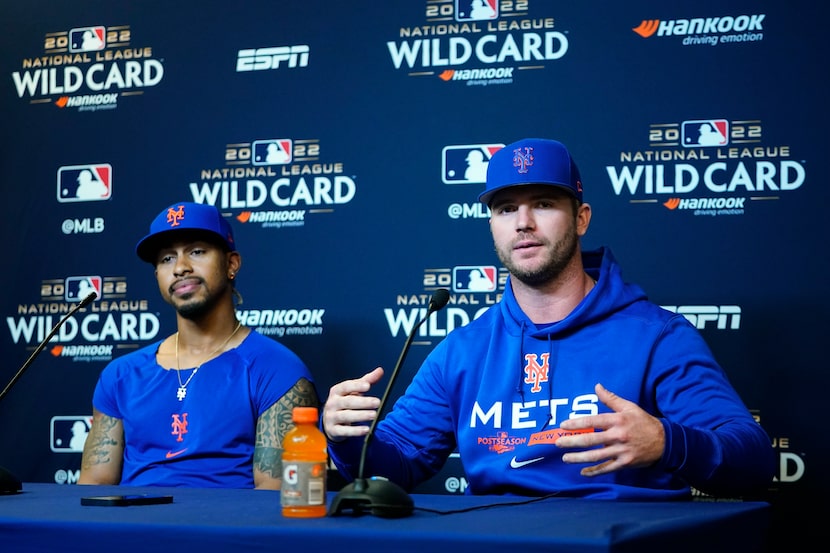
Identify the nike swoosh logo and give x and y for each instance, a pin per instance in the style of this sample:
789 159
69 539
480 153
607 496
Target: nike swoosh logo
171 454
519 464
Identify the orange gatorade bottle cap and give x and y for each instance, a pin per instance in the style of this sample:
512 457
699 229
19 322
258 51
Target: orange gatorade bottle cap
304 414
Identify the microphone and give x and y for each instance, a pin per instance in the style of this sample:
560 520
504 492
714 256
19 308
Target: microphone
10 484
377 495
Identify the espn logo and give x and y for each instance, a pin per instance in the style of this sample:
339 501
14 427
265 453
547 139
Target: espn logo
261 59
705 132
272 152
78 287
87 39
84 183
478 278
467 164
724 317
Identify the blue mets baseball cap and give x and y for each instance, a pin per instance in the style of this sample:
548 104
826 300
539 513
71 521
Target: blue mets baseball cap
532 161
184 216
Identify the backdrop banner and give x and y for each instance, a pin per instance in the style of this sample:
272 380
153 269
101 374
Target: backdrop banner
347 143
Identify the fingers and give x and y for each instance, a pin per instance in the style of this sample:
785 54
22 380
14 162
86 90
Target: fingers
581 423
358 385
611 399
373 377
602 421
627 438
581 439
347 409
605 459
602 468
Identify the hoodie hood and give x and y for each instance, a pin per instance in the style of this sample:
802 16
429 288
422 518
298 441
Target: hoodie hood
610 295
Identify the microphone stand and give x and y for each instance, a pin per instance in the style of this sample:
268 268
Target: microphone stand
377 495
9 483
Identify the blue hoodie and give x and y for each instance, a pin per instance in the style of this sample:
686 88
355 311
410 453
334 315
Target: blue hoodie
497 389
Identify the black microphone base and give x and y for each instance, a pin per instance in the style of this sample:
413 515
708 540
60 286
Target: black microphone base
377 496
9 483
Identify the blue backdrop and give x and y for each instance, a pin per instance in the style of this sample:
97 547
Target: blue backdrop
337 137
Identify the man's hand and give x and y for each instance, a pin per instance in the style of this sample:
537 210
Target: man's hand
627 438
346 406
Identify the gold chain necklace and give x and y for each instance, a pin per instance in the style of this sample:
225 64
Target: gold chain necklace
181 393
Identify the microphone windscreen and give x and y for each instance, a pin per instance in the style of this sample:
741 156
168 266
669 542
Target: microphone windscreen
439 299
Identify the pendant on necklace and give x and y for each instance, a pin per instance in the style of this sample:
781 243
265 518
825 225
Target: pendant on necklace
181 393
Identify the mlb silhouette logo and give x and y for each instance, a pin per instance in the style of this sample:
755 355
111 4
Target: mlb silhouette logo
474 278
272 152
87 39
476 10
705 132
69 433
79 287
467 164
85 183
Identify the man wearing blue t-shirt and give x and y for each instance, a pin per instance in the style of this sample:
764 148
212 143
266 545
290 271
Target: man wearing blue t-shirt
209 405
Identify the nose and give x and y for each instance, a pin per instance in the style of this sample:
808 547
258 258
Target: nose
182 264
524 218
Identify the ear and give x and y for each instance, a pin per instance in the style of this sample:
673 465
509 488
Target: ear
234 264
583 218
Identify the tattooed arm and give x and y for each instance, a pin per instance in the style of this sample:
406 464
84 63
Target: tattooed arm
103 451
270 430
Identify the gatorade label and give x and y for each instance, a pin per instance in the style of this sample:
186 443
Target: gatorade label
303 484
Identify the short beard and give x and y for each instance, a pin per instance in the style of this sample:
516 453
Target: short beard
197 309
563 252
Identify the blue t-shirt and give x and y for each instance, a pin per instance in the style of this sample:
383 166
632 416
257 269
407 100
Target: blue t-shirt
207 439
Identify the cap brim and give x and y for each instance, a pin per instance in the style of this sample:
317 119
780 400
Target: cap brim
148 247
487 196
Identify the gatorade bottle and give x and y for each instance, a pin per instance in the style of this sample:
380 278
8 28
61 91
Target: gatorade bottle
304 464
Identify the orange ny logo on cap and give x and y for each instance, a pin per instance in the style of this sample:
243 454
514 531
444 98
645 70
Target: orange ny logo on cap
175 216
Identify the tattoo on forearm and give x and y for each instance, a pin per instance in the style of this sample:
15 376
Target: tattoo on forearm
275 422
101 441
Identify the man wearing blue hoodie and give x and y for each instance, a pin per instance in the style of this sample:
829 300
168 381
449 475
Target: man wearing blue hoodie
574 383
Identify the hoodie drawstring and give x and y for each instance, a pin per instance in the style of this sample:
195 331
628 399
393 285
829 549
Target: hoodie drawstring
522 363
